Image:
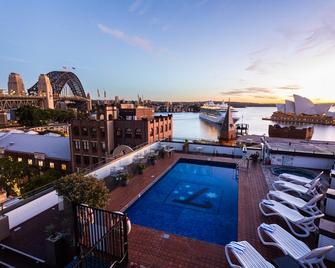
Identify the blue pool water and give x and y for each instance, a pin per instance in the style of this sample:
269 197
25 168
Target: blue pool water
193 199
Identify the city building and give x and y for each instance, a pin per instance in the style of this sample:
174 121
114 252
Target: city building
44 152
93 140
228 128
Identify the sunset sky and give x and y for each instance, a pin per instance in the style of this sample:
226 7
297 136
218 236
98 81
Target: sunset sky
176 50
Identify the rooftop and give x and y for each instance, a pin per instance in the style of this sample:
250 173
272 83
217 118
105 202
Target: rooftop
52 147
302 146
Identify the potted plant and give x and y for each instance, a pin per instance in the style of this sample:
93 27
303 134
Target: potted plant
54 247
186 146
140 168
124 179
152 159
254 157
52 235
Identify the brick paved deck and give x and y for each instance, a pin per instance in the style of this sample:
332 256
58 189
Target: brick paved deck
148 247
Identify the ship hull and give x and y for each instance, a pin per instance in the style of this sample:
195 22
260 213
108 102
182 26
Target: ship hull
215 119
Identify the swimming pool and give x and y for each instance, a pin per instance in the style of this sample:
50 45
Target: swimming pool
292 170
196 199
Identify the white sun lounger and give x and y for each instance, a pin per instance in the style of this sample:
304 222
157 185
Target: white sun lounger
290 245
298 179
309 207
307 190
247 256
291 216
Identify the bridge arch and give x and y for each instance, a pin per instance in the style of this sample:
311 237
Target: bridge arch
58 80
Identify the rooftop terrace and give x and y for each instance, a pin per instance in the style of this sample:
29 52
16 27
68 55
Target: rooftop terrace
154 248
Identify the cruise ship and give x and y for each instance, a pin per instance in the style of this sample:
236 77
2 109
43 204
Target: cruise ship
215 113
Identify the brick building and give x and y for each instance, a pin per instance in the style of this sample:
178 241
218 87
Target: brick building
44 152
94 140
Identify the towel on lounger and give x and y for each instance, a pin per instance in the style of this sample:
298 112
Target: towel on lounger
267 202
267 227
237 246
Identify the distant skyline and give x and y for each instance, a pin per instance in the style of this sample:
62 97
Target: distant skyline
176 50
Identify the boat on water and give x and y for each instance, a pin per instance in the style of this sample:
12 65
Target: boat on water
215 113
291 132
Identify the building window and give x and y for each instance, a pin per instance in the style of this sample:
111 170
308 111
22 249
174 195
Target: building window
19 159
103 146
166 127
86 160
78 159
162 129
86 145
95 160
157 130
63 166
102 132
128 133
152 131
93 132
40 163
30 161
170 126
84 131
138 133
52 165
118 132
77 145
76 131
94 146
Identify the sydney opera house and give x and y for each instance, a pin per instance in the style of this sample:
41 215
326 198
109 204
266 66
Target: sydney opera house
304 106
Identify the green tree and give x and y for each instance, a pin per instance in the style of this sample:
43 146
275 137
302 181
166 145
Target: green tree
82 189
13 175
33 116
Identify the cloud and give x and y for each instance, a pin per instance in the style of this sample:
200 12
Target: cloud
13 59
135 5
248 90
258 51
267 97
290 87
263 67
133 40
322 37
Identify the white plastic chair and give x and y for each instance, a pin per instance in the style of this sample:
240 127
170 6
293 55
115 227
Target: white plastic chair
301 190
309 207
298 179
246 255
275 235
292 217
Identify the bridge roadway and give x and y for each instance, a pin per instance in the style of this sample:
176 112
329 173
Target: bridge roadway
8 102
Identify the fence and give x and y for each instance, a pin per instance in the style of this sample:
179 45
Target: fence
101 237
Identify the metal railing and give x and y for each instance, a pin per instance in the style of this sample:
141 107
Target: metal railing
101 237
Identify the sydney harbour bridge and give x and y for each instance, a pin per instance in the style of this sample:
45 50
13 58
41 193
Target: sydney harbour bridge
67 91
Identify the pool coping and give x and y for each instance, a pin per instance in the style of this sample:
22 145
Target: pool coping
186 159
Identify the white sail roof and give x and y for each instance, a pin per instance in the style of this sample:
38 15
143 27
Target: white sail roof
302 105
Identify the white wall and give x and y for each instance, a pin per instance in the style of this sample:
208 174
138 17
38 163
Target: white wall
31 209
302 161
104 171
208 149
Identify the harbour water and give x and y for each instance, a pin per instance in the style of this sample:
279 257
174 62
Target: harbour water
189 126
